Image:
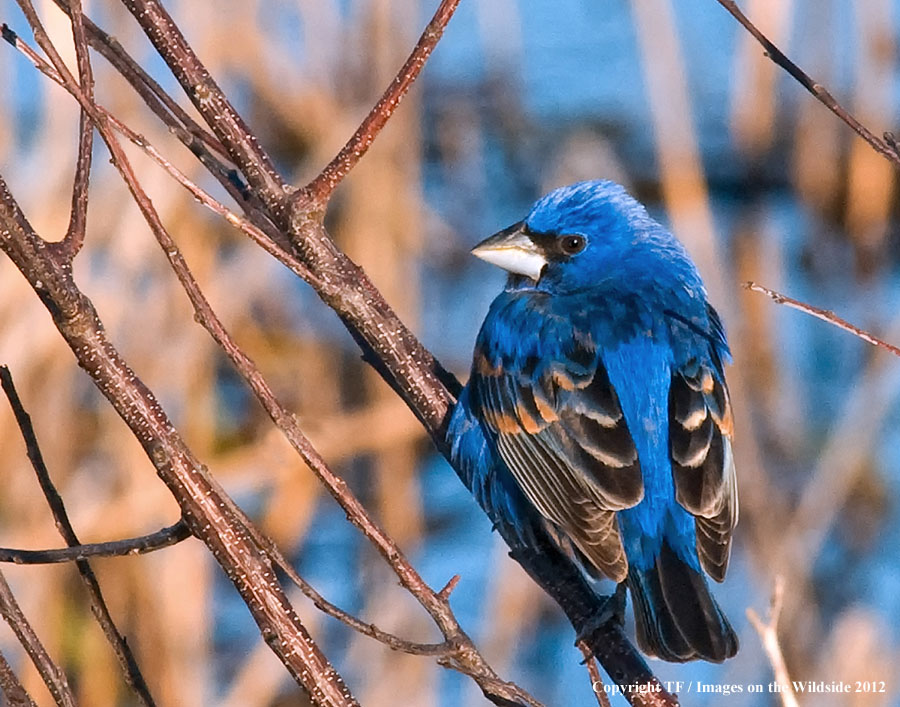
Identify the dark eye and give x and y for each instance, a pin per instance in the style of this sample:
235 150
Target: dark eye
571 244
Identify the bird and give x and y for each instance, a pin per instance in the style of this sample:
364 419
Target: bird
597 411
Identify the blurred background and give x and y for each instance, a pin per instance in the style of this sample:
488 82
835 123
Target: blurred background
672 99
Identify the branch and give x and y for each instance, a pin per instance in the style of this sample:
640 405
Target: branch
271 242
547 565
887 148
124 655
15 694
242 146
593 674
209 512
141 545
316 194
825 315
768 633
54 678
199 141
457 649
74 238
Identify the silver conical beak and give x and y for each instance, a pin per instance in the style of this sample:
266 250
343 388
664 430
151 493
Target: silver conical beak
512 250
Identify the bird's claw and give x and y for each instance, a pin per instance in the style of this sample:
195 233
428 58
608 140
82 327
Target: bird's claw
612 610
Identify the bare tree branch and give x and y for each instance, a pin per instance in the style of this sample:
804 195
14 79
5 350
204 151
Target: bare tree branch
386 343
124 655
52 675
457 648
824 314
886 148
593 674
272 244
207 509
242 146
75 234
768 634
316 194
141 545
198 140
15 694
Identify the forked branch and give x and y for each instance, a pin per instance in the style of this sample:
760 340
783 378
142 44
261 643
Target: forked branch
768 634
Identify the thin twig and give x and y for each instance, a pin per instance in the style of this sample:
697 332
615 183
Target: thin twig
15 693
274 245
74 238
141 545
52 675
319 190
825 315
593 674
886 148
161 103
768 634
191 134
122 650
242 145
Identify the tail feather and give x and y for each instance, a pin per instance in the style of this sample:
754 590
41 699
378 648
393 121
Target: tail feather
675 615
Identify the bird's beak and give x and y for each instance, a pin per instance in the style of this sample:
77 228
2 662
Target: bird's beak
512 250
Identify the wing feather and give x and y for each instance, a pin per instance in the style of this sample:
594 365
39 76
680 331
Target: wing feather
700 432
561 432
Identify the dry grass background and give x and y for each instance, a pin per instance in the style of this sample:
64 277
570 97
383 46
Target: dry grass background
305 72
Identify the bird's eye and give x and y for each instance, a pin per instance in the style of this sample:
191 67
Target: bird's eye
572 244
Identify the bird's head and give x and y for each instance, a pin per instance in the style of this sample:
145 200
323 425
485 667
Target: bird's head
585 234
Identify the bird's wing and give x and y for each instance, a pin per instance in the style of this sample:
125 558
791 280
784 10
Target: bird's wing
561 432
700 432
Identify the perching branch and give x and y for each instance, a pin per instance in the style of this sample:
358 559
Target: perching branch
457 649
823 314
768 634
887 147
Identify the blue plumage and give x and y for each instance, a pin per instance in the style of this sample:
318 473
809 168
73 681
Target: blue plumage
597 410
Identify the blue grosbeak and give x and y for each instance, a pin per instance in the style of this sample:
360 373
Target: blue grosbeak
597 411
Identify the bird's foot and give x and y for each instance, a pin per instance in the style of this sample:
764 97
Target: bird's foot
611 610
